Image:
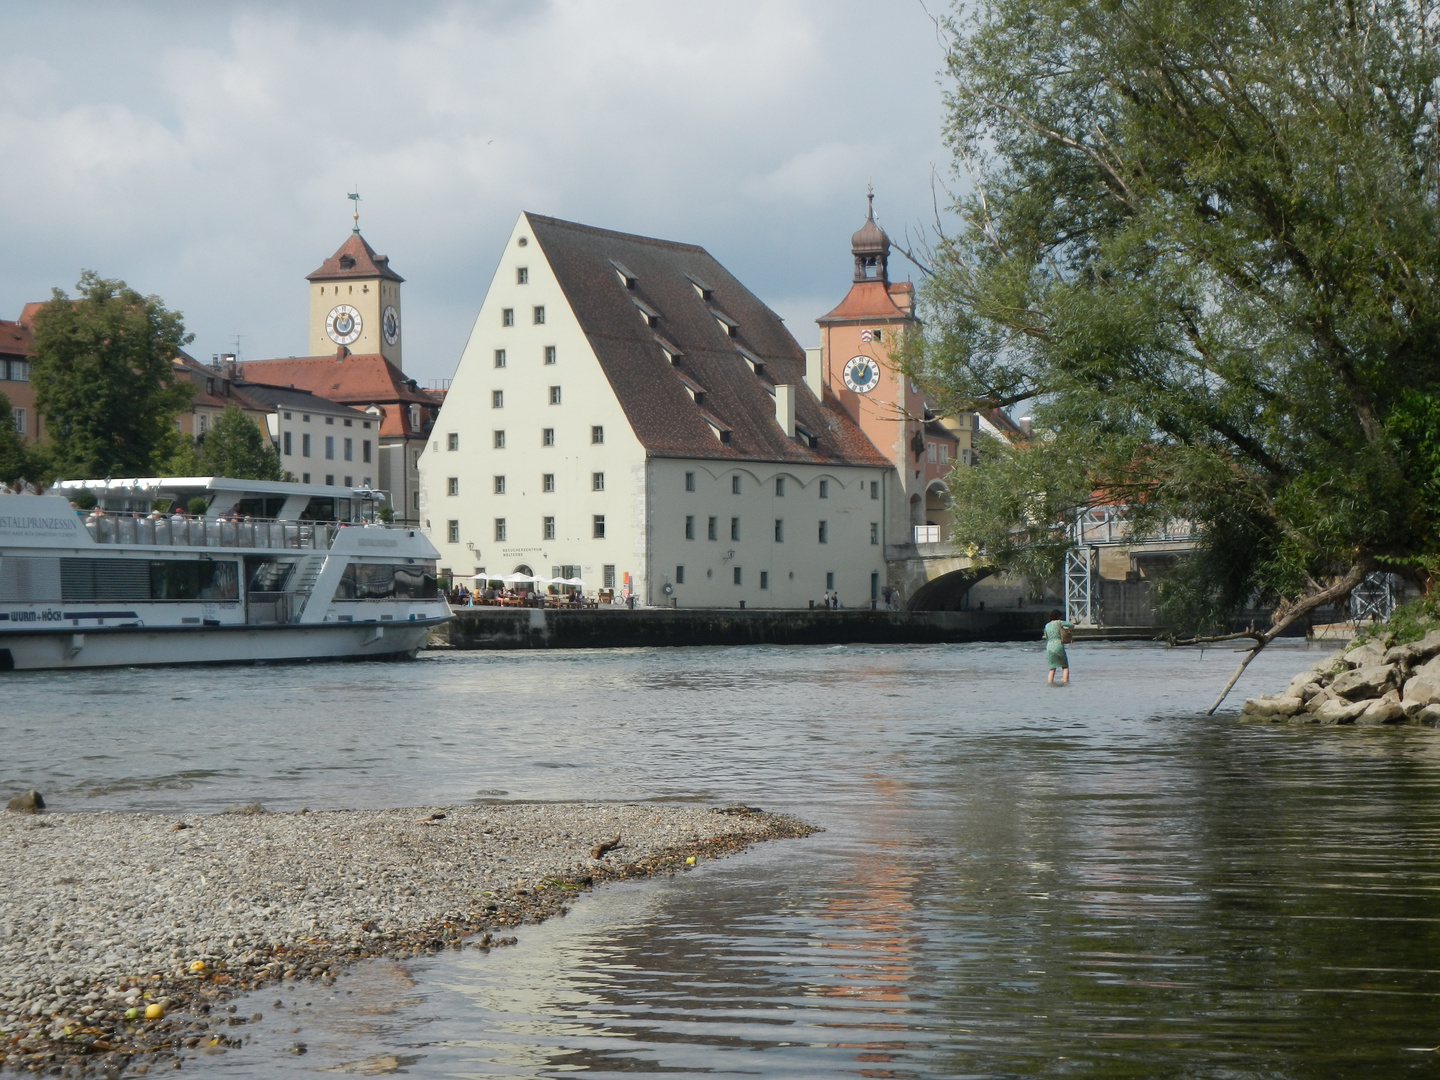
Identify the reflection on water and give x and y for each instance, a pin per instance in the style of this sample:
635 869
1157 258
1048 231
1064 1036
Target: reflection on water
1014 881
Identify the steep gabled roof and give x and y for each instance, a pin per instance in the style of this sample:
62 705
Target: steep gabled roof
719 333
867 301
361 379
354 259
16 339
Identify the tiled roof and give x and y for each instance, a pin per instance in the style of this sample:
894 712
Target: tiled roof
16 339
867 301
287 397
355 259
359 379
667 421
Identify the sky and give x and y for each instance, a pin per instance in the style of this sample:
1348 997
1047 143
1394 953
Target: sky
203 152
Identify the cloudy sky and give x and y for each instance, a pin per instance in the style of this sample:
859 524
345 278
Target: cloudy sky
203 152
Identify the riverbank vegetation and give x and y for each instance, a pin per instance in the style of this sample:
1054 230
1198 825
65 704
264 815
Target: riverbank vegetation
1201 241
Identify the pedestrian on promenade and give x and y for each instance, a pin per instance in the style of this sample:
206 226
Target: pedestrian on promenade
1057 636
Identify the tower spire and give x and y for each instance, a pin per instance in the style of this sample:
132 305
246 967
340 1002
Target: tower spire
870 245
354 196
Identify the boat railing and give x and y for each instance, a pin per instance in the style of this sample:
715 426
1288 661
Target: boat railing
269 607
266 533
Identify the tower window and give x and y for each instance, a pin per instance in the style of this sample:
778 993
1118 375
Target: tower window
522 275
507 317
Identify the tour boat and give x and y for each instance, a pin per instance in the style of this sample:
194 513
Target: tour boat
270 571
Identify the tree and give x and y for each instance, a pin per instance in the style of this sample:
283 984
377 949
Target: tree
104 379
1203 241
235 447
15 460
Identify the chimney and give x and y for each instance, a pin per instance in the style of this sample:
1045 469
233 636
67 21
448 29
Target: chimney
815 372
785 408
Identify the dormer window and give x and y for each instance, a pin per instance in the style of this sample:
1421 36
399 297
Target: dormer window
627 278
756 364
806 436
729 325
706 293
672 352
719 430
347 262
648 313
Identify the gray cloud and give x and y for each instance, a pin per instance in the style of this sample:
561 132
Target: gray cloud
203 152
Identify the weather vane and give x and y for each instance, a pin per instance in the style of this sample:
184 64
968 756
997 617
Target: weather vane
354 197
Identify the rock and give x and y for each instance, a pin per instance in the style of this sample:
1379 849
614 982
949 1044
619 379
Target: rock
1385 710
244 808
1340 712
1366 682
1424 689
1278 707
1305 685
1411 708
1429 715
1368 654
32 802
1416 651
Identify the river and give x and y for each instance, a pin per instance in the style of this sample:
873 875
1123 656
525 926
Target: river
1013 880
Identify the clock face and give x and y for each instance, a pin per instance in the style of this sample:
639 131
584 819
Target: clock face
390 325
862 374
343 324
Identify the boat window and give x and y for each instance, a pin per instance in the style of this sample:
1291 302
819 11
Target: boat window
319 508
199 579
114 580
260 506
268 575
386 581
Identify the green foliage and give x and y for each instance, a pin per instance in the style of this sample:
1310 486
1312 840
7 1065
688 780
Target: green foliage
386 514
197 506
85 500
15 460
1203 241
104 379
1407 623
234 447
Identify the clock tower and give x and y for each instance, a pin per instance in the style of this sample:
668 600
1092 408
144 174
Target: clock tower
355 303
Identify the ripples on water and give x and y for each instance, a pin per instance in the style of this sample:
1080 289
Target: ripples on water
1014 881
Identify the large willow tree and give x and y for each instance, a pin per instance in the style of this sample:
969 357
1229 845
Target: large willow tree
1202 240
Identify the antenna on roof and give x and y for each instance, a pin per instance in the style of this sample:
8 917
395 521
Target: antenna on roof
354 197
869 198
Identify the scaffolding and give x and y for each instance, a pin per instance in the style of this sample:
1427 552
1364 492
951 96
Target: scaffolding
1082 566
1374 598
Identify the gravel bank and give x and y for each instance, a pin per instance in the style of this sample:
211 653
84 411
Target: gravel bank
104 915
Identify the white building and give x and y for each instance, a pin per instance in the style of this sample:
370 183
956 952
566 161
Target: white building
625 409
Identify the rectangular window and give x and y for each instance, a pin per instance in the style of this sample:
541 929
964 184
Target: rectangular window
712 529
287 416
349 423
17 418
305 478
597 481
349 481
608 577
829 580
499 440
349 449
735 484
499 530
764 579
305 417
499 485
499 357
874 489
547 528
539 315
679 575
824 489
824 532
329 447
554 395
549 354
689 481
522 275
365 451
931 452
452 485
452 441
598 523
944 454
547 436
497 399
288 448
454 532
507 317
689 526
547 482
736 574
329 479
874 532
780 486
779 530
734 528
597 434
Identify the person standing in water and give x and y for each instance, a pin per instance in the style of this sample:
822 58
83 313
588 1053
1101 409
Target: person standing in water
1057 633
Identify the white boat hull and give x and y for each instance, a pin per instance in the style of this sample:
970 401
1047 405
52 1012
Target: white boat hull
124 646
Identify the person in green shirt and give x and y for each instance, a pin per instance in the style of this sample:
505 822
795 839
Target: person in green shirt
1055 648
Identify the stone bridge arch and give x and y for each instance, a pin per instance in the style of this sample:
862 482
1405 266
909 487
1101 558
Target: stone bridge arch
946 591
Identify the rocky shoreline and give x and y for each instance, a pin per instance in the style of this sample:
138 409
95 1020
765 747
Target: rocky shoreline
1367 684
122 936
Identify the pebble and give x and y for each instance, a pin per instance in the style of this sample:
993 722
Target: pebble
121 913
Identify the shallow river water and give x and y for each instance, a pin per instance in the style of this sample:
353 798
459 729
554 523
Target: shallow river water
1095 881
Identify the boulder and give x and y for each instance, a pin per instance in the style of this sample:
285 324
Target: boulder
1416 651
1424 689
244 808
1305 685
1366 682
1411 707
1277 707
1366 654
1384 710
32 802
1320 697
1429 716
1340 712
